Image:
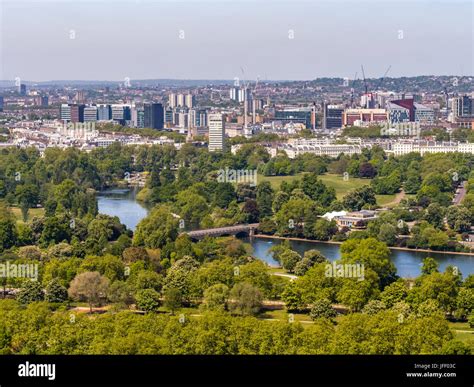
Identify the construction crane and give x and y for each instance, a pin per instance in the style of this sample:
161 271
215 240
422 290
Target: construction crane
363 77
381 79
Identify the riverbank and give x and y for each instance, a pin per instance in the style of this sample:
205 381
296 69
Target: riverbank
263 236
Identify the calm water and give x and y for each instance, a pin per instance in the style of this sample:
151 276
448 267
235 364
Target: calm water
122 203
408 263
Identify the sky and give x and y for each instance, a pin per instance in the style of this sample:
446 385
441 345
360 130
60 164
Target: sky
44 40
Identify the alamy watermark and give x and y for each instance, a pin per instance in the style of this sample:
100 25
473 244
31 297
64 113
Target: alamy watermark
345 270
237 176
13 270
401 129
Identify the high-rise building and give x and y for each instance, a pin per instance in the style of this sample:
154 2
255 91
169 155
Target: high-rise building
154 115
462 106
197 118
22 89
44 101
90 114
234 93
189 101
80 96
172 100
334 116
1 103
77 113
216 132
121 113
103 112
180 100
140 118
65 112
237 94
169 116
183 119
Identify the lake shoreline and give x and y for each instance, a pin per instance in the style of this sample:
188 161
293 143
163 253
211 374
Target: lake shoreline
263 236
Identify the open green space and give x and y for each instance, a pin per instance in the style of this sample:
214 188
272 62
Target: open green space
463 333
341 186
31 213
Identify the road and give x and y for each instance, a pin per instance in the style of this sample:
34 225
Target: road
459 196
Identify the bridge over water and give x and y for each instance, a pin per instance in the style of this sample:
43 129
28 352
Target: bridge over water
221 231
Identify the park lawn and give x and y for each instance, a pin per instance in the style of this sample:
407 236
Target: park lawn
341 186
463 333
17 212
273 270
384 200
275 181
31 213
283 315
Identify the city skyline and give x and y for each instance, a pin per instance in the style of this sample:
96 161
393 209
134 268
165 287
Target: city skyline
206 40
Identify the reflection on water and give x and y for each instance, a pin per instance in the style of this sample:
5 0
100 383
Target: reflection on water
121 202
408 263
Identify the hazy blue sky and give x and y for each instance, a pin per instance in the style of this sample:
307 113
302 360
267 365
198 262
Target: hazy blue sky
141 39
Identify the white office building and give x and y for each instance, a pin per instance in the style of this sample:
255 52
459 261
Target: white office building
216 132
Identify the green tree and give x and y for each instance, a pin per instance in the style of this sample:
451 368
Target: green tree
322 309
173 299
324 229
358 198
31 292
181 277
148 300
56 292
264 199
90 287
429 266
8 232
215 297
245 299
289 259
394 293
157 229
120 292
373 307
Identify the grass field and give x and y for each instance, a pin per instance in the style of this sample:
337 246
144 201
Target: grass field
463 332
341 186
31 213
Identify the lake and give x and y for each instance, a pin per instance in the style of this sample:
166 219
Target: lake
122 203
408 263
